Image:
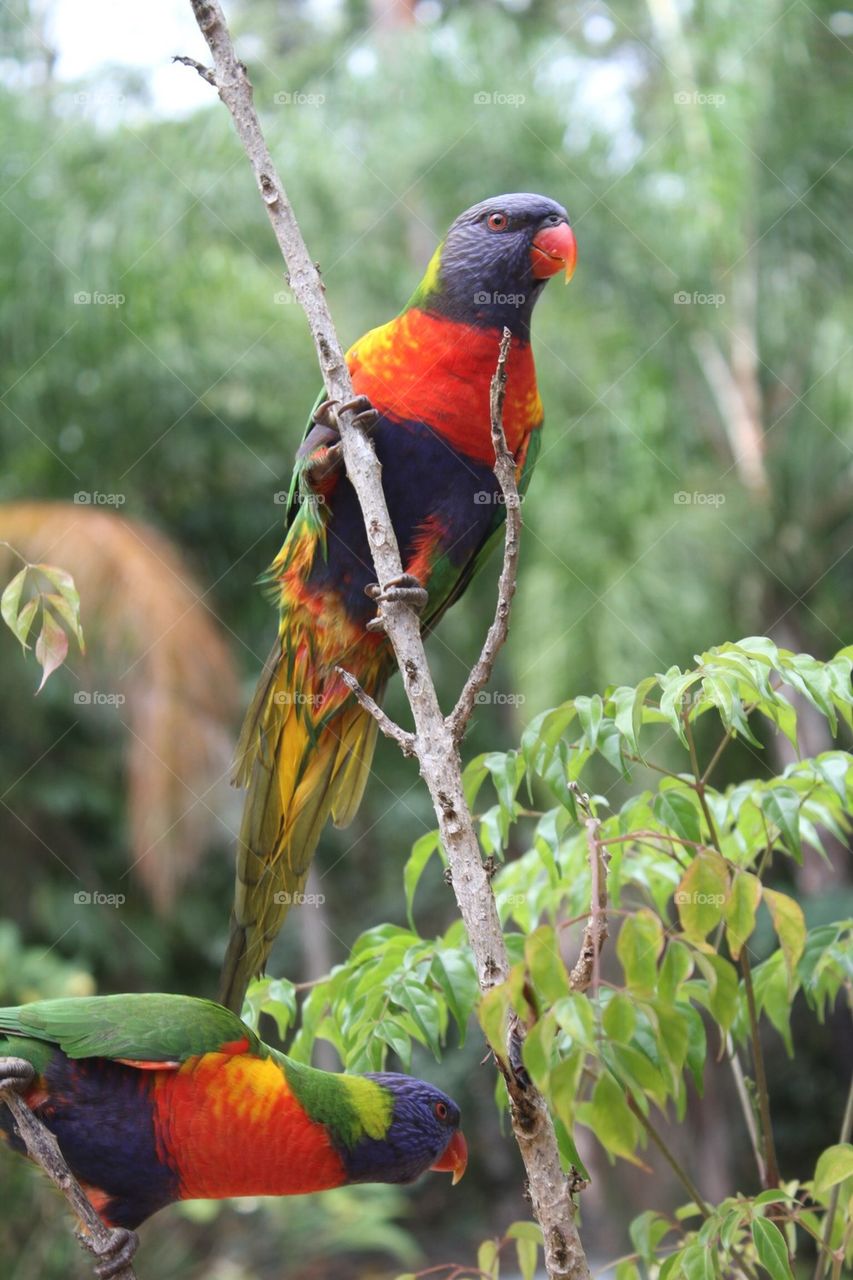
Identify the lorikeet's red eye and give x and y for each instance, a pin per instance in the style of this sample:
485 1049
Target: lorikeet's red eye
441 1110
497 221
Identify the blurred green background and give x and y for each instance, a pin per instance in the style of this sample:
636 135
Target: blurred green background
695 482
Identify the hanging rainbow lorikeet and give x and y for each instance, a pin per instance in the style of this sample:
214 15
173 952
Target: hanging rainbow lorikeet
422 384
158 1098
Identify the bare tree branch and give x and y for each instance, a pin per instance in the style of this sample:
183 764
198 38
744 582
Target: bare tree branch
435 744
405 741
104 1242
505 472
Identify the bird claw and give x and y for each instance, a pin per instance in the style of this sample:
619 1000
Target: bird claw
16 1074
366 417
115 1255
406 589
324 438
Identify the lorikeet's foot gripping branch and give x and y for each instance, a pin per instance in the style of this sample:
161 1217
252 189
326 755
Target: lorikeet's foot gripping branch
158 1098
117 1255
403 590
321 452
422 383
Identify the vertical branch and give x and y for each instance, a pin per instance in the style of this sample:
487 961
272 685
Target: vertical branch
435 740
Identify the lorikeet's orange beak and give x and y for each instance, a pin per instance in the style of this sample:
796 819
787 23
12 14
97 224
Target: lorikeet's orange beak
455 1157
553 249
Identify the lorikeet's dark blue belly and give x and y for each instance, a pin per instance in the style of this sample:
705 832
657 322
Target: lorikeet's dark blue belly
102 1115
430 487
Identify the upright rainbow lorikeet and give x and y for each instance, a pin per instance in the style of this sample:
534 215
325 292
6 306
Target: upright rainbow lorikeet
422 384
157 1098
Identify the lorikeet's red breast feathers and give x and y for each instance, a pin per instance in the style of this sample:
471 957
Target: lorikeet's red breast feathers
157 1098
306 746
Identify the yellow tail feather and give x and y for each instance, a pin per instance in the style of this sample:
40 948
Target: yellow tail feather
301 763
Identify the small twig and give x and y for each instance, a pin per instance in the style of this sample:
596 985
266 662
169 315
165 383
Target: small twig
832 1208
746 1108
699 783
771 1168
44 1150
504 469
678 1169
595 933
203 71
405 741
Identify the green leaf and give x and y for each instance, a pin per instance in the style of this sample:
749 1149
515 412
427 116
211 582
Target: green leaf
536 1052
833 1166
492 1014
771 1249
675 969
24 620
488 1261
675 810
454 972
628 711
790 926
740 910
646 1233
421 1005
422 851
590 713
609 1118
11 599
701 895
627 1271
639 944
781 806
619 1018
545 963
528 1257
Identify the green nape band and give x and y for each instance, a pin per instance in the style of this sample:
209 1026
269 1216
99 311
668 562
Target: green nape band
351 1106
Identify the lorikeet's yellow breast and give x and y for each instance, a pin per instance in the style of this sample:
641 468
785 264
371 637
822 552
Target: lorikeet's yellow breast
423 367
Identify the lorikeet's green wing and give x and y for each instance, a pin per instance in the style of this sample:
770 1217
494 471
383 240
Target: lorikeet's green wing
143 1028
292 507
439 604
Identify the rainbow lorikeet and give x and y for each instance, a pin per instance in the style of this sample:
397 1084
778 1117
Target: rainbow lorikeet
157 1098
422 384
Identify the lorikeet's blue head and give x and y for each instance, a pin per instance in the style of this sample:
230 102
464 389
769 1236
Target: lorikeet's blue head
496 259
423 1134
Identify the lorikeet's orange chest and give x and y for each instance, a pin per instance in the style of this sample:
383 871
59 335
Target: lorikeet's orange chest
426 368
229 1125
